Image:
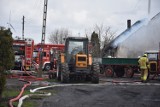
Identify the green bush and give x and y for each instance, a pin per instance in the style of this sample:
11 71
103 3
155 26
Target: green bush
6 56
2 84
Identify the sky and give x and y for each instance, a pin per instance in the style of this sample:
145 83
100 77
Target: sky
78 16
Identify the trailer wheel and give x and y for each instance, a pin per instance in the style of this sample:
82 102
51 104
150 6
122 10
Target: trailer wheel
119 71
64 73
109 72
47 67
129 72
95 73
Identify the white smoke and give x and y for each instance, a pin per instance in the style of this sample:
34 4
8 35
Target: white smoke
142 37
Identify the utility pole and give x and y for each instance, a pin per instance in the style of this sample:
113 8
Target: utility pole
43 36
23 28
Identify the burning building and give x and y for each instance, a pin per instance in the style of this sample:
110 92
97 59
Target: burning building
134 41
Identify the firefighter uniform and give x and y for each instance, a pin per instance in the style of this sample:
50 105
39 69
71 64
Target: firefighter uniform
143 63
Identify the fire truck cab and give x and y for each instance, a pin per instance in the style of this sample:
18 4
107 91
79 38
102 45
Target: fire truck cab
23 50
46 60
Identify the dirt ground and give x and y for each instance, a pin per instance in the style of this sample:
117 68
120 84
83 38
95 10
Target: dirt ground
104 94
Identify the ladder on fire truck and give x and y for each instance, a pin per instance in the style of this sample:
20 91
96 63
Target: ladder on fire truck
28 54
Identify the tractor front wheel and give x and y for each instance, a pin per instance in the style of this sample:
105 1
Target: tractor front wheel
64 73
95 73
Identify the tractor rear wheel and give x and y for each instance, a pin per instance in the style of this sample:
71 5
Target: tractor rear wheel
64 73
95 73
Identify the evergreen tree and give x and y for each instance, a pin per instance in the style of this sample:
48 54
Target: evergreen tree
6 56
95 45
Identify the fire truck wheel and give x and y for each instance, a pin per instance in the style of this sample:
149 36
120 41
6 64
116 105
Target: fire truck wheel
64 73
47 67
95 73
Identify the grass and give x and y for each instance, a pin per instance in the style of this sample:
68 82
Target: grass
12 93
51 80
29 103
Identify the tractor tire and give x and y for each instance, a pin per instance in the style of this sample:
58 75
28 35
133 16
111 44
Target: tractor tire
64 73
129 72
108 71
95 73
47 67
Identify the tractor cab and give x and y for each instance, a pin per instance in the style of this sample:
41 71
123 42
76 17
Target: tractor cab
153 57
76 52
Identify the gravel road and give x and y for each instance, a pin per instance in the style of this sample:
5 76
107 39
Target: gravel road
114 95
105 94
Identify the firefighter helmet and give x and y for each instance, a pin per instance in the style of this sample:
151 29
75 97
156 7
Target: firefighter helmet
145 55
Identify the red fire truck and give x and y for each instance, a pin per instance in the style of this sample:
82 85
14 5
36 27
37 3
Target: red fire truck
23 50
46 54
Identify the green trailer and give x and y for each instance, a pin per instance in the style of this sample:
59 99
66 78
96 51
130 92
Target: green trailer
119 66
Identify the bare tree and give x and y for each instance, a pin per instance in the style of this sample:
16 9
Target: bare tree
58 35
105 34
108 36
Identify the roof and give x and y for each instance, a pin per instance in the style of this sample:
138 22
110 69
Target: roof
128 32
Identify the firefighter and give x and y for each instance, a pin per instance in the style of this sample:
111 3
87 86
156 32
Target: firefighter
52 57
144 66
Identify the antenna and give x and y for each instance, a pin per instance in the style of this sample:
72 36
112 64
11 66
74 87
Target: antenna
9 22
149 6
9 19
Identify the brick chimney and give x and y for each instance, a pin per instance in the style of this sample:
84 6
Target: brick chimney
128 23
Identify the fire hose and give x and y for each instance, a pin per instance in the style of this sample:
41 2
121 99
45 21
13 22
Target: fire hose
63 85
24 78
30 95
20 94
45 94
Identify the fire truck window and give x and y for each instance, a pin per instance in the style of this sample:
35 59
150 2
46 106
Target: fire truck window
18 50
35 54
44 54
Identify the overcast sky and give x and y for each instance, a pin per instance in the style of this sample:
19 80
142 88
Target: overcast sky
75 15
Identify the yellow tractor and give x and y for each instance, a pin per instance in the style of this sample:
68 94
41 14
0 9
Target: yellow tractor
76 62
154 62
